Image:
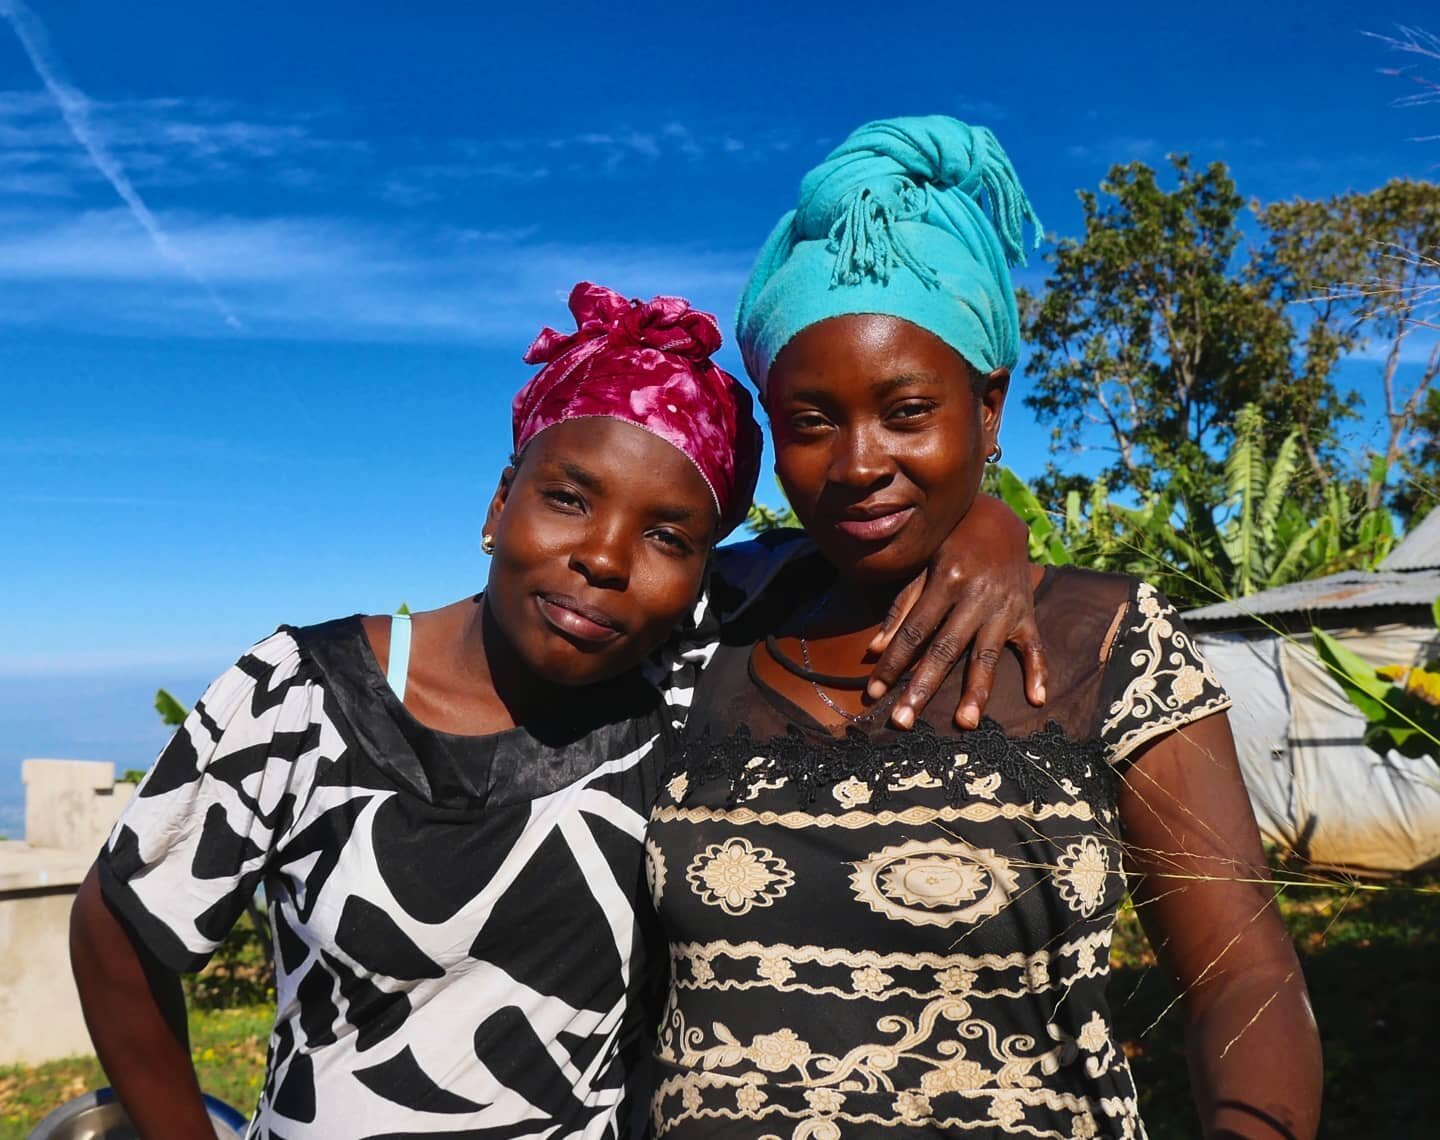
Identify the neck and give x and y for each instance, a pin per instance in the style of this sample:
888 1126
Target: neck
852 606
489 660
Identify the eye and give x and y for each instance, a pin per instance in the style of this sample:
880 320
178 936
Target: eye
808 422
563 499
912 409
673 541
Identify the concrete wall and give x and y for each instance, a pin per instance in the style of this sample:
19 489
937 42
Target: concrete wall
70 806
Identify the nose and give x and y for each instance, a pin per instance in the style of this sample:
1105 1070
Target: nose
603 556
858 460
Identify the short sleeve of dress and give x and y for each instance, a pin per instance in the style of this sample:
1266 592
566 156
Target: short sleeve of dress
738 575
190 848
1155 679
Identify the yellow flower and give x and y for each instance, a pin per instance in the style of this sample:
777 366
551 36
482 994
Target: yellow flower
1421 683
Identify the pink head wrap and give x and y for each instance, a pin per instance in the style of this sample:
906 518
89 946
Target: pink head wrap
647 363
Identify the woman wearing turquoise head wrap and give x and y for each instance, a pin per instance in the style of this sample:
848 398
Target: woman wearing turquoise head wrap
893 222
879 934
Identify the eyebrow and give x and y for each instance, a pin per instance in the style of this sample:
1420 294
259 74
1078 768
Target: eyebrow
586 479
878 389
592 482
904 380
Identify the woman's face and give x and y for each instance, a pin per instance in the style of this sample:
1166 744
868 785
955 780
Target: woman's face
880 440
601 537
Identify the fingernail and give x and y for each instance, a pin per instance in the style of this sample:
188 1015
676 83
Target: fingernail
876 689
970 714
904 716
1040 693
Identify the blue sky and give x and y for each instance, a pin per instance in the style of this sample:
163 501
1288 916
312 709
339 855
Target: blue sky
287 399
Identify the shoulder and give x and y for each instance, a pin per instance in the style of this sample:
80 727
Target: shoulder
1076 607
264 676
758 584
343 630
741 572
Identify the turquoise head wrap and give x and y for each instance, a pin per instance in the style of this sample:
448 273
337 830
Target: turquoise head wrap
918 218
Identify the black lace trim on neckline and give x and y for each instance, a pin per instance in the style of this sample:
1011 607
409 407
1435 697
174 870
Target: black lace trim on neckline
1035 764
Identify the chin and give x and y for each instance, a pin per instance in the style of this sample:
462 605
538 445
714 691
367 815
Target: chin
572 667
895 561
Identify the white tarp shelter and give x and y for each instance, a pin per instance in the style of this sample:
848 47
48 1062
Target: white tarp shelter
1317 789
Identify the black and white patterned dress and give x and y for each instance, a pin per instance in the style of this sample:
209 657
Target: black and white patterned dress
888 934
460 922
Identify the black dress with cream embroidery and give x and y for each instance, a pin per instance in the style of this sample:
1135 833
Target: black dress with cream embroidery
887 934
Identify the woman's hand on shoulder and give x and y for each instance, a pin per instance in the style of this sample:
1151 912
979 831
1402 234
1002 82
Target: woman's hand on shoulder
978 592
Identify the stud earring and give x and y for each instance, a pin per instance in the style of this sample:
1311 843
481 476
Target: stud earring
487 543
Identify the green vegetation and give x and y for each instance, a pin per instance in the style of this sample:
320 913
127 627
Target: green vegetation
232 1005
1401 703
1367 950
1252 535
229 1050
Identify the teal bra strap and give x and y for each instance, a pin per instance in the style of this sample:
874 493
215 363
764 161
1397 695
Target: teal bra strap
399 665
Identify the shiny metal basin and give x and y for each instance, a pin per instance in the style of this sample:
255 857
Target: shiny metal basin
98 1116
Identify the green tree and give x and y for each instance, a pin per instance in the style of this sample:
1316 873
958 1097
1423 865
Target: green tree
1364 270
1419 488
1145 331
761 518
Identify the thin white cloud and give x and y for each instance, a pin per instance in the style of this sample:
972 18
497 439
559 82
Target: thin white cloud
33 665
323 278
76 111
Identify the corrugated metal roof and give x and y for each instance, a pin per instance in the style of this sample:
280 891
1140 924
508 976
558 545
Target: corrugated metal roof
1420 549
1350 589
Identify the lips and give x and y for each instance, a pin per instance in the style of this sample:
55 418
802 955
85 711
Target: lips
874 523
582 624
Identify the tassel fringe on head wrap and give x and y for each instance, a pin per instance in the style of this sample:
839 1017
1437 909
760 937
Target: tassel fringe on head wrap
918 218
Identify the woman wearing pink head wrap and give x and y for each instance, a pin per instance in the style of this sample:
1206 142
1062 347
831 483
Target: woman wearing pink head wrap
647 364
449 837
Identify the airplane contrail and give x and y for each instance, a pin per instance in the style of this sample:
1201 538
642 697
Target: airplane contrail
75 108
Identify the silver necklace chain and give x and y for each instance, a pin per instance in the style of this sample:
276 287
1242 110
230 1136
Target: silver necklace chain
825 698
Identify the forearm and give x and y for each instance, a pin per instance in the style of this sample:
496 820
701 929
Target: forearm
135 1011
1203 891
1254 1053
